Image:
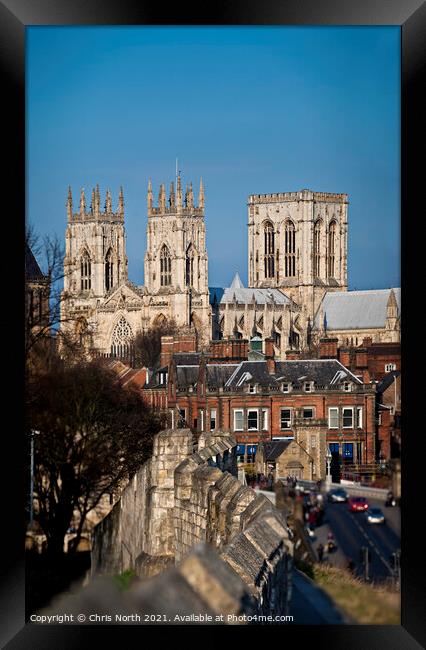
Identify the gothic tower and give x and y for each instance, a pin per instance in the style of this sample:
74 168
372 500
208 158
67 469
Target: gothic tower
297 242
176 273
95 248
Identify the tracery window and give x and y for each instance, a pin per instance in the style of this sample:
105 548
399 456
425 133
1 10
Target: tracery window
331 247
109 270
122 339
269 249
85 272
289 250
189 276
317 248
165 267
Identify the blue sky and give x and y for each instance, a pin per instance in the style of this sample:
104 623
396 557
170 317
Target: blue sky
250 109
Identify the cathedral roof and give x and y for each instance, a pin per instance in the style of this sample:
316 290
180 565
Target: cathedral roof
345 310
246 295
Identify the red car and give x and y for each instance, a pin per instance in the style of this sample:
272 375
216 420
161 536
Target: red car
358 504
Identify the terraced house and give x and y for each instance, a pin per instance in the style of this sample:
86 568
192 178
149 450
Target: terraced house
314 402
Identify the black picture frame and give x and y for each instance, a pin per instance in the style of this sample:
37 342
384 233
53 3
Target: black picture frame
15 15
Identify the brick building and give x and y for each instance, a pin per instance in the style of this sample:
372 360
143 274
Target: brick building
388 394
369 361
314 402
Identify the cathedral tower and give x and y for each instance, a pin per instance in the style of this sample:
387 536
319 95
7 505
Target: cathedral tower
176 273
297 242
95 247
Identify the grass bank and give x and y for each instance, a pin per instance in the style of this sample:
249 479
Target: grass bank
364 603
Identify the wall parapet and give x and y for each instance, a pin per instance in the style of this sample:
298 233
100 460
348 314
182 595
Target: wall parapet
183 498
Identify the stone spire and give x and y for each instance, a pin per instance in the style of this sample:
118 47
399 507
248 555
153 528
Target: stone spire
162 198
69 204
82 203
97 201
190 197
179 192
121 202
172 195
236 282
93 202
201 195
149 198
108 202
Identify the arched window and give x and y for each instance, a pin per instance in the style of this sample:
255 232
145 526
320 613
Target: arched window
122 339
289 250
85 271
269 250
317 249
109 270
331 247
165 267
189 275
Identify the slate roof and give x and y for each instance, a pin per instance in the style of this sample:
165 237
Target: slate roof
261 296
275 448
237 291
387 381
187 358
345 310
323 372
32 270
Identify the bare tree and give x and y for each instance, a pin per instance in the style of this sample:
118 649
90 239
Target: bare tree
92 434
43 326
147 344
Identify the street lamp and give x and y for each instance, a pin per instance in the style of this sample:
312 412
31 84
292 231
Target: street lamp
328 457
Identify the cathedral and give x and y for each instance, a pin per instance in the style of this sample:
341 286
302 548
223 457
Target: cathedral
297 270
101 305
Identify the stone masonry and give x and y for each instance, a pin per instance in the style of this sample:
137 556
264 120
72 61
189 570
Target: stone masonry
187 508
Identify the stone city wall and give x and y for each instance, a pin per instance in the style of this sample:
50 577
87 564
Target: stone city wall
181 499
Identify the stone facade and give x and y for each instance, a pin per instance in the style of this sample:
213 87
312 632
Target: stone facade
299 458
182 499
297 242
101 307
246 313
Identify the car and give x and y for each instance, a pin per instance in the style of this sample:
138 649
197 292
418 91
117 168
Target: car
358 504
338 495
375 516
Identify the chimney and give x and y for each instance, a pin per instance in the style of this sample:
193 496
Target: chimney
269 354
166 350
292 355
328 348
361 358
345 357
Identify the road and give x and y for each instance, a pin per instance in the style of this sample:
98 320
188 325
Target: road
352 531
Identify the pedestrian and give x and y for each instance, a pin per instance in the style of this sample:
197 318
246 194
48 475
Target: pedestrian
320 551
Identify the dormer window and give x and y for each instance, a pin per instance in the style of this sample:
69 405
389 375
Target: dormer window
307 387
252 388
285 387
347 386
163 378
